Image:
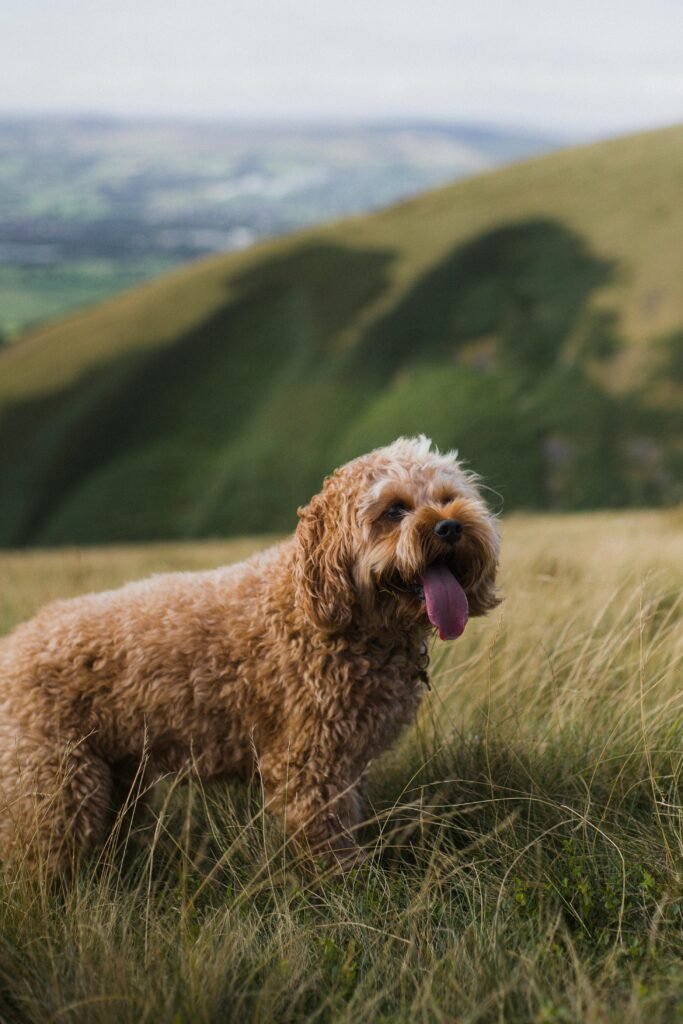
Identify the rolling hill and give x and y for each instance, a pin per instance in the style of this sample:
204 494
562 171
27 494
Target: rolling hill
531 317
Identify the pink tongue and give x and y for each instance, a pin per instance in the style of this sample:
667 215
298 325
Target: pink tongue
446 602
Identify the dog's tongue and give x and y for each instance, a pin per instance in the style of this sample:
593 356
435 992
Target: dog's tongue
446 602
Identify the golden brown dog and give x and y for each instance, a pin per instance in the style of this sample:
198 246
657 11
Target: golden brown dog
302 663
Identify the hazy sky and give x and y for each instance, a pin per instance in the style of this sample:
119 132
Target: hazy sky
574 66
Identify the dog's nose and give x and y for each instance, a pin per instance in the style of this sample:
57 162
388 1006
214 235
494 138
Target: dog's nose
448 530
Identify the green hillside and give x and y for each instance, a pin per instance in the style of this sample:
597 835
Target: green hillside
531 317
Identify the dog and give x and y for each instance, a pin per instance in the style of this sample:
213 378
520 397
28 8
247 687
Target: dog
299 665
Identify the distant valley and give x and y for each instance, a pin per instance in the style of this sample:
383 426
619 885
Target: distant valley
90 207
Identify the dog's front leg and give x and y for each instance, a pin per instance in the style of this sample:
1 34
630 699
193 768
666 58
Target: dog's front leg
322 812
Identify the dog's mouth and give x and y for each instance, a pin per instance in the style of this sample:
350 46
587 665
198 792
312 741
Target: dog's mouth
442 595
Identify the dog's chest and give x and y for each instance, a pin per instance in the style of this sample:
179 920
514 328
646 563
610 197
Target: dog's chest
368 697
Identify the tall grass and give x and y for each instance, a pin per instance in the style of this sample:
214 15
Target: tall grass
525 839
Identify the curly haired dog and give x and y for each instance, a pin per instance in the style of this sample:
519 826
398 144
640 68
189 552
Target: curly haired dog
302 663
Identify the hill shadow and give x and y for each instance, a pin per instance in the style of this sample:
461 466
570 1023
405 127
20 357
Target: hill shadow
192 395
528 283
493 351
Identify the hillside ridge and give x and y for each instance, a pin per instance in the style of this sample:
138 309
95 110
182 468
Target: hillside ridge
531 317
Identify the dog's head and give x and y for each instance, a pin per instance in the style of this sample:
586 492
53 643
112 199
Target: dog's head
397 539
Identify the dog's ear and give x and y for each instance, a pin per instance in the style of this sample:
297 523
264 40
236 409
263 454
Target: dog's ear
322 571
482 594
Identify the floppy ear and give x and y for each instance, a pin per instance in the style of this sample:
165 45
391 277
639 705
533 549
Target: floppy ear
482 594
322 572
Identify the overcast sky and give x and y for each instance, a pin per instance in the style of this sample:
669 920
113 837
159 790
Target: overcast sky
586 67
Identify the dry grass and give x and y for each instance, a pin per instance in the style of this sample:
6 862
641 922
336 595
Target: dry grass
32 578
527 837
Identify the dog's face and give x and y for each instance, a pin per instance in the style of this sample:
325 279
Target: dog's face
397 539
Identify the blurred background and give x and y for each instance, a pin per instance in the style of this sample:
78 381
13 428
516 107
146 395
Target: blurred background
241 243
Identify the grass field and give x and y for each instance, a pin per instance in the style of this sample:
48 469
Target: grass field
526 836
31 295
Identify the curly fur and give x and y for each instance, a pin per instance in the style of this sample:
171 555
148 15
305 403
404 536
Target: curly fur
302 664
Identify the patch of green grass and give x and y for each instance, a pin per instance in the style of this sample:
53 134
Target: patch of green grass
31 295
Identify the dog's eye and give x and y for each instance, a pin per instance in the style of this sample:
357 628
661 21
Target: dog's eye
395 511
